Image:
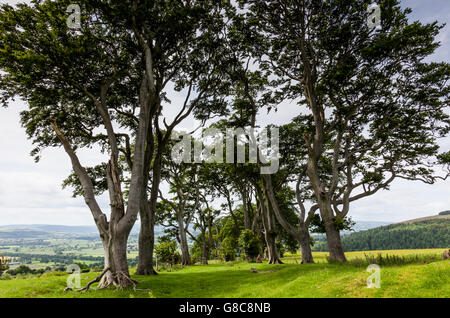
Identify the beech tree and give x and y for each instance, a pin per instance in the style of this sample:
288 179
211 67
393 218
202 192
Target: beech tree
376 107
183 181
203 221
111 73
73 83
180 46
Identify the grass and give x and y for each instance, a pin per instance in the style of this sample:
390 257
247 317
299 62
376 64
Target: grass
415 278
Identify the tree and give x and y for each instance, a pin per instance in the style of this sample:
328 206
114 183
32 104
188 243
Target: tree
179 48
203 220
3 264
278 190
166 251
375 107
114 72
73 83
183 180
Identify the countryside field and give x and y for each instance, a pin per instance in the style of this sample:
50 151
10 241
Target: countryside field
422 274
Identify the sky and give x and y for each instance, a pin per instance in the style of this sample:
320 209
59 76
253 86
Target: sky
31 193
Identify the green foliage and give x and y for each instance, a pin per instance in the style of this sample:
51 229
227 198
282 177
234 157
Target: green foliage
196 251
227 250
84 268
341 224
249 244
166 251
425 234
417 235
3 264
25 270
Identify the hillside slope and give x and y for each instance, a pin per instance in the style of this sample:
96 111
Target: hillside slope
430 232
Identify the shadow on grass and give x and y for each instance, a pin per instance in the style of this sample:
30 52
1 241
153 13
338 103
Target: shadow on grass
220 281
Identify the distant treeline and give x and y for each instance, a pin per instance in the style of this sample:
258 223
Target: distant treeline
60 259
418 235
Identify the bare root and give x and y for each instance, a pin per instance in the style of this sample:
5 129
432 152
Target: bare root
120 280
96 280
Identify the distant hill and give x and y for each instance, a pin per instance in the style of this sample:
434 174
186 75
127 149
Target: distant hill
427 232
50 228
421 233
366 225
440 216
46 231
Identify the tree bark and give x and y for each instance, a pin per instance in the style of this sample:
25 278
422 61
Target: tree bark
146 244
147 213
301 235
305 245
116 262
333 236
247 224
269 235
205 251
185 257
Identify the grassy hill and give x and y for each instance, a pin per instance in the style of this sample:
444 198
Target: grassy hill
428 218
416 278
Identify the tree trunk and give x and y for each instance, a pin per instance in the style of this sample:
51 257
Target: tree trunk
334 240
333 236
116 261
326 213
269 235
204 250
146 245
147 210
302 235
247 224
273 255
305 245
185 257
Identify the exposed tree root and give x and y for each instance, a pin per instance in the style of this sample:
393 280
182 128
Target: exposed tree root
96 280
146 272
120 280
275 261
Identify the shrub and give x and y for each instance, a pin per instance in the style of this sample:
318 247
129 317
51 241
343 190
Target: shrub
84 268
21 270
249 245
196 253
227 250
6 276
166 251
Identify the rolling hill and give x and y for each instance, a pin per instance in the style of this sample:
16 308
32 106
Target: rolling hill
426 232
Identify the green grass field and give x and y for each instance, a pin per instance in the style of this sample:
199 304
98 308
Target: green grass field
421 279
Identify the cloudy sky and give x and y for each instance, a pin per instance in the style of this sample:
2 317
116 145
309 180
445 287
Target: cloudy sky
31 193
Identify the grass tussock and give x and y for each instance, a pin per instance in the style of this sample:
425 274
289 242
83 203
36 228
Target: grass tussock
390 259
